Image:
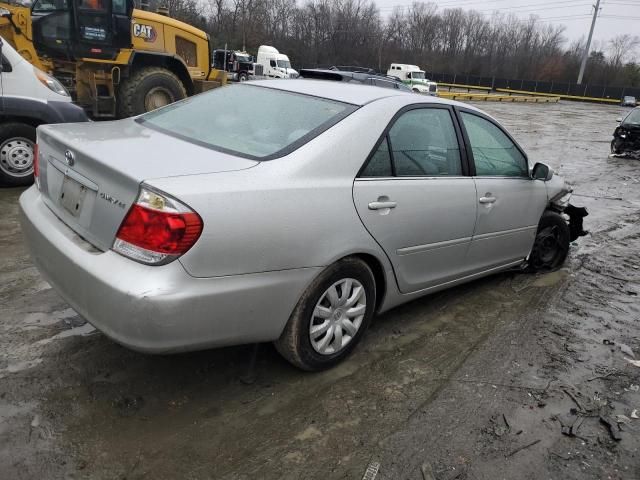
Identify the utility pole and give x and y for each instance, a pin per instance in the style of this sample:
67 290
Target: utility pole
588 47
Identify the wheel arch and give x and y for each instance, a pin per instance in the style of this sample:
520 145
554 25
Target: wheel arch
31 121
171 62
378 274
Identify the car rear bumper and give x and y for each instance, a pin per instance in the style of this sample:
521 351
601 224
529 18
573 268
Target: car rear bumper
157 309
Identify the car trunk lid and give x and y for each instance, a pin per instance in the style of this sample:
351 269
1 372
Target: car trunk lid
90 174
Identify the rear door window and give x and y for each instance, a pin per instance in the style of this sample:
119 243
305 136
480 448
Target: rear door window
379 164
424 143
253 122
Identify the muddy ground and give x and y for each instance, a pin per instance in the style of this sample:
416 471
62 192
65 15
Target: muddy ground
478 382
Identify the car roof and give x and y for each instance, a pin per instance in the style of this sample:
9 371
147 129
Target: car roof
353 93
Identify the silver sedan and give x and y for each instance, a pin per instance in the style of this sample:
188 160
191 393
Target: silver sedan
284 211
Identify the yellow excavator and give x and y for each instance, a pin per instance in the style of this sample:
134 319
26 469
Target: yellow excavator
116 60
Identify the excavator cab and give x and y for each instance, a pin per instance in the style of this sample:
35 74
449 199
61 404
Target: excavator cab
76 29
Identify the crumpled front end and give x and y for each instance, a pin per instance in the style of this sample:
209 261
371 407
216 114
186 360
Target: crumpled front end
560 203
626 142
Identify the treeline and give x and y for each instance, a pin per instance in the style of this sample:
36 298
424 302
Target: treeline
355 32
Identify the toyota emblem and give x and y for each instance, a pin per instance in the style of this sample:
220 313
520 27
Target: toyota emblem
69 157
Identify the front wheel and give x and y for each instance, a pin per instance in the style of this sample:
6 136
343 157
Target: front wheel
17 146
243 77
551 246
330 317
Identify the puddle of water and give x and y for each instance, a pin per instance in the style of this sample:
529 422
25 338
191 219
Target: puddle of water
550 279
43 319
24 365
84 330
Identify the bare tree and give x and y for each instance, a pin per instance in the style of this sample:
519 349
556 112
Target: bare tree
622 47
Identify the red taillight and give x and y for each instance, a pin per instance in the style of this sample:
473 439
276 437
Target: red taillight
157 229
162 232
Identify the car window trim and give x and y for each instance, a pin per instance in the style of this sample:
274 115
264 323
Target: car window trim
462 148
472 160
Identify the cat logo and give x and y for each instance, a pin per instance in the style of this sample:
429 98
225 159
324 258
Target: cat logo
146 32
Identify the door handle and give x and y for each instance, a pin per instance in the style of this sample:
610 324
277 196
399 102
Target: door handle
382 205
487 199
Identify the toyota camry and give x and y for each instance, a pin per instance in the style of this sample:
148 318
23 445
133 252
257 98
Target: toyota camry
294 218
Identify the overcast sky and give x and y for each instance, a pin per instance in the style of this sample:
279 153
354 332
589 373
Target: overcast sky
616 16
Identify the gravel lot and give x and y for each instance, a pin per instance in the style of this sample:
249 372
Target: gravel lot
476 382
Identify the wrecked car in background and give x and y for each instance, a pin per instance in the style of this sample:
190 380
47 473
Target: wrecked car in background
626 137
349 202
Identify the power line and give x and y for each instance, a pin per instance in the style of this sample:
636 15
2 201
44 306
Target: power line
459 4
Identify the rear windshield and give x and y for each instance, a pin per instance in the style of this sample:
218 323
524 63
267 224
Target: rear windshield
250 121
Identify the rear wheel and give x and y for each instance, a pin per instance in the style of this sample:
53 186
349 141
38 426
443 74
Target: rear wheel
330 317
147 89
17 145
551 246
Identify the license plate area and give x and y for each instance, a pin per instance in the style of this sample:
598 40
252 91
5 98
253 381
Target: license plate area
72 195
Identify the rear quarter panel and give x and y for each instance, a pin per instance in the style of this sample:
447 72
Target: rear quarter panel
292 212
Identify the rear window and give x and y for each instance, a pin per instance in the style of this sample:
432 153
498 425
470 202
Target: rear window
250 121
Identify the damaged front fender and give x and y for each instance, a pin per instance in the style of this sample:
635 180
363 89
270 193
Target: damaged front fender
559 202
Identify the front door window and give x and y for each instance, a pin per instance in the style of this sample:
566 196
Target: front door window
493 151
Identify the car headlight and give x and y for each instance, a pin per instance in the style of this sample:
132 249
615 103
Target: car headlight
50 82
562 199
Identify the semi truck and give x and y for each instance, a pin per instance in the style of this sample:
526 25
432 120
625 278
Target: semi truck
414 77
274 64
237 64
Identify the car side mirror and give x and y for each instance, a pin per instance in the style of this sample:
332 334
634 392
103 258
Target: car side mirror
541 172
619 119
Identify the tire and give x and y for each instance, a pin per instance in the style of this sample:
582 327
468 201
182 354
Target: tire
296 344
415 90
147 89
551 246
17 142
243 77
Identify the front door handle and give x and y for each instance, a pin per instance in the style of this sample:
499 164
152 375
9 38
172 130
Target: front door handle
487 199
382 205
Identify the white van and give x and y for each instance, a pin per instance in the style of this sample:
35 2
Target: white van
28 98
274 64
414 77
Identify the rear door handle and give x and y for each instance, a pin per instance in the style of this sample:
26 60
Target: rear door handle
487 200
382 205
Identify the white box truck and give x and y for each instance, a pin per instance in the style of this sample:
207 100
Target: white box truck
274 64
414 77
